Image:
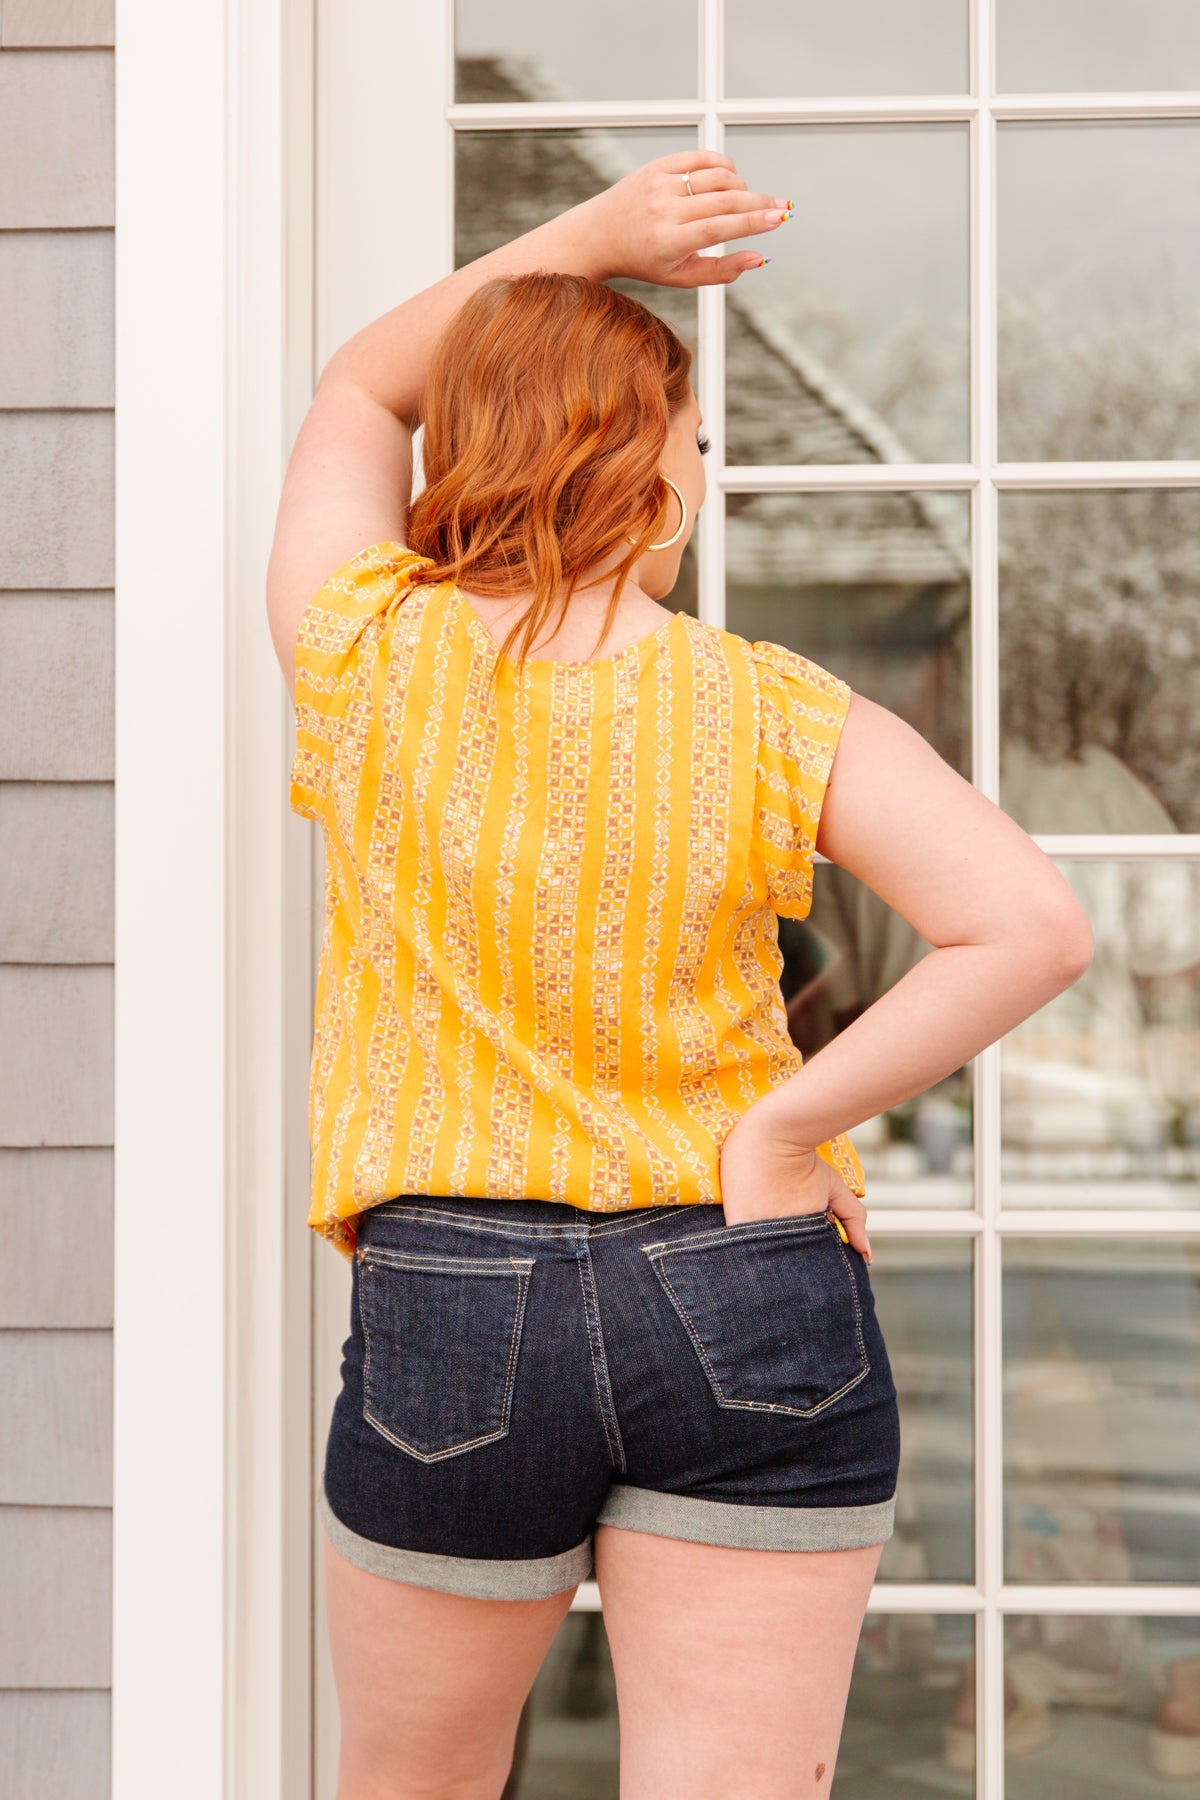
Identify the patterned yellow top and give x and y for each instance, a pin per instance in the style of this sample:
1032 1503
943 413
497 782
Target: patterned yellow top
550 963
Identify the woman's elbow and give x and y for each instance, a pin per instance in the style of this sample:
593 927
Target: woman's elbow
1063 932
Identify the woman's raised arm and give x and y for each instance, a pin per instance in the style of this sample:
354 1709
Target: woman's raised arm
349 477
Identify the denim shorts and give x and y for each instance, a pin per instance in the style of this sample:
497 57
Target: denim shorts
519 1371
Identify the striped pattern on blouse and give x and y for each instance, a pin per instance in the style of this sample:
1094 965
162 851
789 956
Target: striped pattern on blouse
550 964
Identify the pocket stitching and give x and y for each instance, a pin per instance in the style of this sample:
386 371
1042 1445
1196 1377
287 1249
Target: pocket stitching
800 1412
521 1267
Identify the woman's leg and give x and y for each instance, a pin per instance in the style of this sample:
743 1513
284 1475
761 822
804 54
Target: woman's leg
732 1666
430 1685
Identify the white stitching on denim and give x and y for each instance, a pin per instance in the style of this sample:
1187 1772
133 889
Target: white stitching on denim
800 1412
805 1223
521 1268
600 1406
414 1259
619 1459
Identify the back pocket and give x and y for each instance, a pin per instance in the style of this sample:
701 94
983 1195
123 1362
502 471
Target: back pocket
442 1335
772 1311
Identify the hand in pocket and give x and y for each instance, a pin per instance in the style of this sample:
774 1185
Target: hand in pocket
765 1175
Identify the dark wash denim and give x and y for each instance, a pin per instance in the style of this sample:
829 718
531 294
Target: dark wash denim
519 1370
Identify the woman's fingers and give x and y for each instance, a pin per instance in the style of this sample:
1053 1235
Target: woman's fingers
712 271
847 1207
730 204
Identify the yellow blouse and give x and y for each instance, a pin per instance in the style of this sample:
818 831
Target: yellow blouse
550 963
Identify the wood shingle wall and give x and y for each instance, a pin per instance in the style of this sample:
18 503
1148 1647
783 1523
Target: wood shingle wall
56 895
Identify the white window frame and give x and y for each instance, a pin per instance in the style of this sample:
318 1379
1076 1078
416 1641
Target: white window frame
229 296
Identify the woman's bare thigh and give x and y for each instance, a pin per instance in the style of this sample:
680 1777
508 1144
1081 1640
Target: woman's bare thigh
732 1666
430 1685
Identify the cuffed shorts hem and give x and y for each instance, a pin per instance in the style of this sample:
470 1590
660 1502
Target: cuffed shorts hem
476 1578
746 1527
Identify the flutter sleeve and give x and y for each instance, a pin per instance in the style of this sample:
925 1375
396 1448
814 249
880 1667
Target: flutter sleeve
802 708
337 638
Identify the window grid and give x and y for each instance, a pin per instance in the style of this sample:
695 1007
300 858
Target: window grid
983 478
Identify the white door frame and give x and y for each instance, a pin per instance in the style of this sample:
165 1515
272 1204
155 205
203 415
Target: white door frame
211 1526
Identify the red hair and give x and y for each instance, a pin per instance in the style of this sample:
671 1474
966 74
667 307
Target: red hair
546 411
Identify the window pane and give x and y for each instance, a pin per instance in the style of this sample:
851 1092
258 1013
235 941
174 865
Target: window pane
851 345
1101 1086
524 50
1101 1409
506 182
923 1297
1096 1707
1097 46
909 1670
1098 267
1100 659
808 47
876 588
567 1740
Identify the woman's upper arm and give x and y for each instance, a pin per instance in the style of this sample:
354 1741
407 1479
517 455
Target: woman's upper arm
935 849
348 484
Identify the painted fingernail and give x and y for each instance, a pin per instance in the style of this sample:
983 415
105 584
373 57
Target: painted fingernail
870 1258
761 263
779 201
777 218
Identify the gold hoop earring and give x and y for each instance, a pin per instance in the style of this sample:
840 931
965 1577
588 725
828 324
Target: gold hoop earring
678 532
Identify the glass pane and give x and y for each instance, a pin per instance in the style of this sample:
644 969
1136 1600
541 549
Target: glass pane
1102 1708
851 345
1100 659
875 587
506 182
923 1298
1098 267
524 50
1101 1409
808 47
567 1740
1100 1101
909 1672
1096 46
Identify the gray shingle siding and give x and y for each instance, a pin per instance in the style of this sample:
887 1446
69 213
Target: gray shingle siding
56 895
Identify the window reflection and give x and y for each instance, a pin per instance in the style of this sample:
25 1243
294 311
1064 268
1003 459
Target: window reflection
910 1669
1102 1706
567 1742
874 586
1100 659
1101 1409
874 47
506 182
851 346
1097 46
562 52
1098 262
923 1296
1100 1089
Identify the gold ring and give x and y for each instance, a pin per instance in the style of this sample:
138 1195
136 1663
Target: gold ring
686 178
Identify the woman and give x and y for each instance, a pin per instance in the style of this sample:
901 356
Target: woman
611 1307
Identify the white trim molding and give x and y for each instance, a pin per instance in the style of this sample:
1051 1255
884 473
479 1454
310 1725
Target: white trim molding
211 1429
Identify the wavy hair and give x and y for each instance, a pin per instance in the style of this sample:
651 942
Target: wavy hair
546 411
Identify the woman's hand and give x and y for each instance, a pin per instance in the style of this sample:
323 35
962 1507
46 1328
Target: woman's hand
651 229
767 1176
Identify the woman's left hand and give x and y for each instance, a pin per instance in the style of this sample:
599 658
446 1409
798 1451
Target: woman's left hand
652 229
